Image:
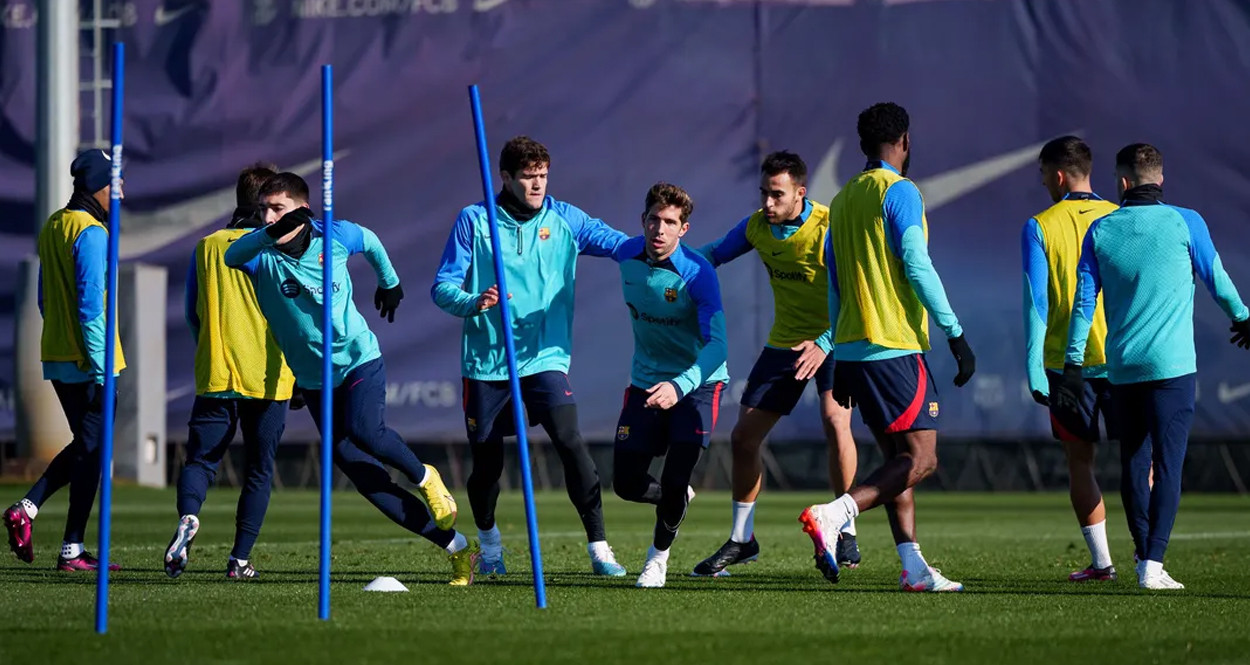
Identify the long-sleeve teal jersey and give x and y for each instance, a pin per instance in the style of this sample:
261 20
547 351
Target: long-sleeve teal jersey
677 317
289 291
1144 258
540 260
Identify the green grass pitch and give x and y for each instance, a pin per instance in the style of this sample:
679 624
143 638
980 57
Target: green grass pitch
1012 551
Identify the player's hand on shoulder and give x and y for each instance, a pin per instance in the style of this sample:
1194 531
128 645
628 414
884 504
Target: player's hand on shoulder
386 301
810 358
289 222
966 360
663 395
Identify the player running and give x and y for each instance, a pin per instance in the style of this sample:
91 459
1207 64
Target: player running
883 283
678 368
541 239
73 261
1052 247
241 382
284 260
1144 258
788 232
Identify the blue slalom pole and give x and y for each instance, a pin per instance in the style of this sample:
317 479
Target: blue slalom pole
505 312
110 344
327 331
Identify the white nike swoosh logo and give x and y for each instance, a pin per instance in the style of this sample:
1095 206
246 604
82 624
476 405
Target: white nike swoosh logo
178 393
938 190
1228 395
486 5
165 16
144 232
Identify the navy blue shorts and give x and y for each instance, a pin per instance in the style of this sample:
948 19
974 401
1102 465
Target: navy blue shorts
688 423
892 395
771 385
488 404
1067 426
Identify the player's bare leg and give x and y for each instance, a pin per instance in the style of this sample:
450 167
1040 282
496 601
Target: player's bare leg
746 440
910 458
1091 512
843 462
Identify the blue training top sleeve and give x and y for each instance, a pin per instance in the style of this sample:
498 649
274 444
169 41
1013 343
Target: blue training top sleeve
190 306
704 290
1209 268
732 245
903 212
448 289
825 341
90 266
374 253
1088 284
1036 306
594 237
244 253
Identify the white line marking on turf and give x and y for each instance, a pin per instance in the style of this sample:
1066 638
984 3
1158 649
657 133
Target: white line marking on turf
1210 535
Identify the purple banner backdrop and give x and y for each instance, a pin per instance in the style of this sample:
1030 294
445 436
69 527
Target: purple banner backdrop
627 92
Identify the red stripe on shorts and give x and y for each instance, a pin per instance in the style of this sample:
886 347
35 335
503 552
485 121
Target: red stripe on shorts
905 421
715 405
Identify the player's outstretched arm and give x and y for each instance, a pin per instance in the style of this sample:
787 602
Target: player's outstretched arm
1036 310
448 289
904 213
1210 270
247 248
594 237
732 245
90 266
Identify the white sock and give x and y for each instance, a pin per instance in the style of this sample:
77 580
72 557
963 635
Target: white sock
599 551
241 562
689 493
426 478
490 538
844 509
458 543
1153 567
913 560
1096 539
744 522
657 555
71 550
29 506
849 527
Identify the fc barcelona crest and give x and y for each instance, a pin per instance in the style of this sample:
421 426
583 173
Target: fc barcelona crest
933 409
622 432
544 233
321 259
670 294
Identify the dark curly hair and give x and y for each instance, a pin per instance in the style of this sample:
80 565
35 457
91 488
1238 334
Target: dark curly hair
880 124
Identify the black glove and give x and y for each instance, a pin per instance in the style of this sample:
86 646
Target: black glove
1041 398
387 300
297 400
95 401
963 355
1241 334
1071 389
289 222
